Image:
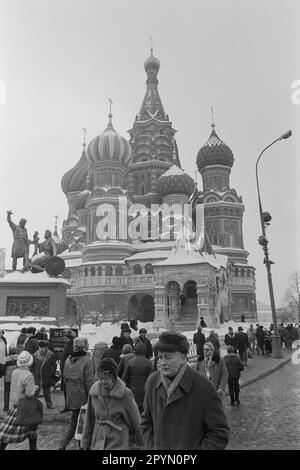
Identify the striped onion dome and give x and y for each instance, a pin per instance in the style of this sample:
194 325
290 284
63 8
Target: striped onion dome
175 181
109 146
75 179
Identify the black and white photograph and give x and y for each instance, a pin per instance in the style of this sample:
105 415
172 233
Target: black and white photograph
149 227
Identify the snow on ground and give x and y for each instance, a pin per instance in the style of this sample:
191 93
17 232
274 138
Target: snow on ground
106 331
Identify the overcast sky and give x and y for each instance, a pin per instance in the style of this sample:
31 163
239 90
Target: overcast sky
62 59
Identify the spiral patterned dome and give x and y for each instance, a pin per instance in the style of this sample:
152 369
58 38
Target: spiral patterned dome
75 179
173 181
109 146
214 152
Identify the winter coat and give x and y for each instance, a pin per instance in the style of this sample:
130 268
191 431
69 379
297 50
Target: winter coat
242 341
22 384
199 340
4 348
215 341
123 340
193 419
43 371
218 372
10 366
20 341
123 363
146 341
135 376
31 345
108 420
260 335
234 366
78 378
231 341
113 353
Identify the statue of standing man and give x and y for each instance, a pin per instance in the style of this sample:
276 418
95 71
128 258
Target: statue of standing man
20 248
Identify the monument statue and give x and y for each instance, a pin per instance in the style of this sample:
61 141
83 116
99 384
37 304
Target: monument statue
45 254
20 248
48 247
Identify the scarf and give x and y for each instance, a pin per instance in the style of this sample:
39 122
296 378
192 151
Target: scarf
105 391
171 385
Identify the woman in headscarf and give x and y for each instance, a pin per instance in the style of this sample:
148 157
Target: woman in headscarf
111 412
22 385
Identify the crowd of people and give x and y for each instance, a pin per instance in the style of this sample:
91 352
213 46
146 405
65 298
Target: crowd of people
133 393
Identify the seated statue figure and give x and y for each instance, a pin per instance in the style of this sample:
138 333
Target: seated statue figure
48 247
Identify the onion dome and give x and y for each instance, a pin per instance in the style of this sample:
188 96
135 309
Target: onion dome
175 181
214 152
82 199
109 146
75 179
151 62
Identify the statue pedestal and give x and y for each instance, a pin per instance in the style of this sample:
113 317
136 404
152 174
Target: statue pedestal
38 295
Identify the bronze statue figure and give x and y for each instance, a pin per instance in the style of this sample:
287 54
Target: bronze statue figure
48 247
20 248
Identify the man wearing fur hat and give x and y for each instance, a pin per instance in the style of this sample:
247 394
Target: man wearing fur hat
44 368
182 409
78 377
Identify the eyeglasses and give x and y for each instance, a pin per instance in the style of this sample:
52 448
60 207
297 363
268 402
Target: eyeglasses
206 349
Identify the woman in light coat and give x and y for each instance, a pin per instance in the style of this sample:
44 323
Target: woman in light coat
22 385
111 412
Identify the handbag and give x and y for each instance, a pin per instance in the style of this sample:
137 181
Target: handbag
80 423
29 412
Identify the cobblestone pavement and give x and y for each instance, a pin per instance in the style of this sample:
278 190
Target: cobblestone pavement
269 414
268 417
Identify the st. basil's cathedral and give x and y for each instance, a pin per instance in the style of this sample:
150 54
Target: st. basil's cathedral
172 280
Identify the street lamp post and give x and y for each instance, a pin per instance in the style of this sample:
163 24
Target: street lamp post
265 219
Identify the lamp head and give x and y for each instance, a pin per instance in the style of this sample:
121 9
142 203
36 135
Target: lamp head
286 135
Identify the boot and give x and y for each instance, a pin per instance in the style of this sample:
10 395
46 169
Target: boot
32 444
231 400
237 401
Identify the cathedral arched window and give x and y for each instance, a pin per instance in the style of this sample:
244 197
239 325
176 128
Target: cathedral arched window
137 269
100 271
93 272
215 239
119 271
248 273
149 268
86 272
108 271
242 272
236 272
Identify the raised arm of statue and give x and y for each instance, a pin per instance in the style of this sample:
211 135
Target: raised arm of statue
10 222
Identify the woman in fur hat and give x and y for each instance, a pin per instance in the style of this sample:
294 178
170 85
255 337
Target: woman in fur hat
111 412
22 385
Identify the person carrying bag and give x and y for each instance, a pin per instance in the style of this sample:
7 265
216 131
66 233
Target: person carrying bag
22 387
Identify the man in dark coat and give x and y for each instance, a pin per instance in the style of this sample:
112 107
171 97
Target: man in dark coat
31 344
202 323
182 409
213 338
230 339
69 336
21 339
125 339
260 337
114 351
78 377
136 374
43 369
199 340
234 367
142 338
242 342
126 355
